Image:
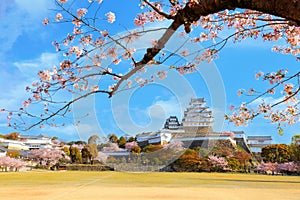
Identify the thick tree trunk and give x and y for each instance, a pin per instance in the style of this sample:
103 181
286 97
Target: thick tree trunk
287 9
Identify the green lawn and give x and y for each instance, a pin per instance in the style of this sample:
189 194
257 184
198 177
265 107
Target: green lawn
121 185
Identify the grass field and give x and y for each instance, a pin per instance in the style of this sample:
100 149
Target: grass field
69 185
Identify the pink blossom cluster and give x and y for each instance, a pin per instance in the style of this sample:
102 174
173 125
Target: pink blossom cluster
102 157
174 146
279 168
47 156
113 147
11 163
150 16
219 163
130 145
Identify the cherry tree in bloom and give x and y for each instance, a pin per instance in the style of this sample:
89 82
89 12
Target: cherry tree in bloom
218 163
8 163
113 147
174 146
102 157
130 145
267 167
288 167
90 43
47 157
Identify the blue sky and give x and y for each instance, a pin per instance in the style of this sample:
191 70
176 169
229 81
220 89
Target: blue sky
25 47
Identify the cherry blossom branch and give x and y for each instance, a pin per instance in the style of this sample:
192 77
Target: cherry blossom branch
270 89
66 107
158 11
172 2
96 29
149 56
287 98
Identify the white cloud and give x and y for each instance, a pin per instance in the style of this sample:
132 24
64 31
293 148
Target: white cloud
161 109
18 17
14 81
31 67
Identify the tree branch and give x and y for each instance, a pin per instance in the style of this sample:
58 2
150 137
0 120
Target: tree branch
158 11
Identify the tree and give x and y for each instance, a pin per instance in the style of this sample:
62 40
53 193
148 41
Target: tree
122 142
12 136
243 157
187 162
66 150
47 157
79 142
233 163
13 154
276 153
131 139
136 150
93 150
113 138
94 139
86 155
288 167
296 139
101 157
54 138
295 148
218 163
113 147
295 152
130 145
269 20
11 163
75 154
267 167
152 148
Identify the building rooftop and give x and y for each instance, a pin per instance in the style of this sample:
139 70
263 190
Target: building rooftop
259 137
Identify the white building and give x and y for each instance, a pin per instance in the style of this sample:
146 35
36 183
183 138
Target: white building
3 152
172 123
13 144
240 138
256 143
205 141
37 142
197 114
159 137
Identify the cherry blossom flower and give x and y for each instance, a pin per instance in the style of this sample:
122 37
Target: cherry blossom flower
63 1
94 88
288 88
154 43
129 83
111 17
185 53
81 12
46 21
58 17
161 75
259 74
76 22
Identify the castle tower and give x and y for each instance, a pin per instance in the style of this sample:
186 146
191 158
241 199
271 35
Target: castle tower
198 119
